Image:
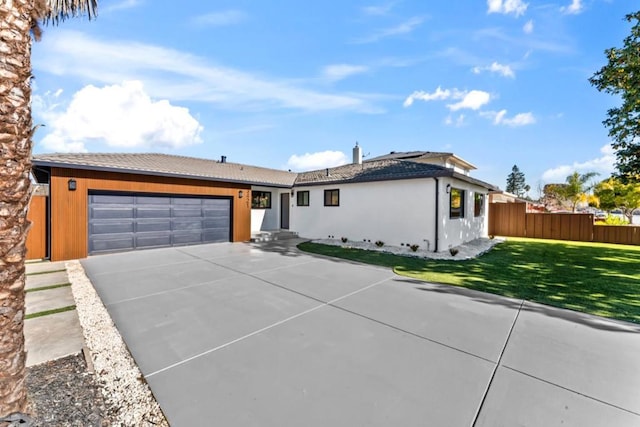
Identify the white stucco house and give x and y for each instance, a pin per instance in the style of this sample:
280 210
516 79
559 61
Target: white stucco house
403 198
109 202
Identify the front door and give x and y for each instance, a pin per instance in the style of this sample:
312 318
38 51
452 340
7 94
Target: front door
284 211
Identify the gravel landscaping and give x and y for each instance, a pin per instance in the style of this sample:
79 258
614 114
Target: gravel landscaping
127 396
103 387
463 252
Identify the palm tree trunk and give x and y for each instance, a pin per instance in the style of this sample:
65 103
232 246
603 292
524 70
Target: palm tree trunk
15 191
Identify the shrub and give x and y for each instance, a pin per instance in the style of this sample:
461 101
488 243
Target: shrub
615 220
491 236
453 251
344 239
379 243
414 247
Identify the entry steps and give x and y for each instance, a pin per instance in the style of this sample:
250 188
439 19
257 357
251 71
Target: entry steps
269 236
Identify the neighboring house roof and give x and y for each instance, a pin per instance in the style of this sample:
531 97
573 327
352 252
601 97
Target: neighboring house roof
418 156
382 170
168 165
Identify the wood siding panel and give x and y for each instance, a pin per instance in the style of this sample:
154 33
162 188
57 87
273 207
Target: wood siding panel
69 209
37 237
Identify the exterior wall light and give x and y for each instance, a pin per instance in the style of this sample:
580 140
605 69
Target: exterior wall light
240 194
72 184
293 192
448 189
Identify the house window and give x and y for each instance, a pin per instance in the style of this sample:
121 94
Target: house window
456 203
260 200
303 198
332 197
478 204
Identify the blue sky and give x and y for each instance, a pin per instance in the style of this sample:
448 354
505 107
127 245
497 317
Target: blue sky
293 85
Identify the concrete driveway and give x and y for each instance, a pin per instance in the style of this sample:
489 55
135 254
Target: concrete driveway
263 335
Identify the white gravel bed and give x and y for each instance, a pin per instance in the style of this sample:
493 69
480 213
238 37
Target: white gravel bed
465 251
127 396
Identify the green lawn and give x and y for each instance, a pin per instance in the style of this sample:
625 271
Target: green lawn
594 278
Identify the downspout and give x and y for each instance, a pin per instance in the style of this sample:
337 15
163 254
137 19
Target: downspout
435 243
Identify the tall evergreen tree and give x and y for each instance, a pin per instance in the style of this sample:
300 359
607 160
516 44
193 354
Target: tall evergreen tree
516 183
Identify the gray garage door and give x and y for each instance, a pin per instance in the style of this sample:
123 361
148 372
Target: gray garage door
130 222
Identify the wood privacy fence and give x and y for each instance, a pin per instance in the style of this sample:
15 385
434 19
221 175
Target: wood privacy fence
512 219
37 237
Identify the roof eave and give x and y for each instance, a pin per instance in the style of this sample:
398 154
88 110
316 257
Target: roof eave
52 164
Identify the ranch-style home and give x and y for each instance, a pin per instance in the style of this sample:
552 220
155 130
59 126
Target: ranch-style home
101 203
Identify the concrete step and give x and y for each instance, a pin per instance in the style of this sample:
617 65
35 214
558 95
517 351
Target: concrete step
270 236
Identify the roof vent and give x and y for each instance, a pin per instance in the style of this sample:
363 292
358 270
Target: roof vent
223 159
328 174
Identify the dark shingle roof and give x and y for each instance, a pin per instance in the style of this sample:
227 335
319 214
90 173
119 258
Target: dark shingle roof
404 155
168 165
381 170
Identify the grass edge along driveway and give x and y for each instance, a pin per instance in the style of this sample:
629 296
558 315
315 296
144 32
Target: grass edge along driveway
596 278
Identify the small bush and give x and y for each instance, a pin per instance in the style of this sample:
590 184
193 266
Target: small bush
414 248
491 236
615 220
453 251
344 239
379 243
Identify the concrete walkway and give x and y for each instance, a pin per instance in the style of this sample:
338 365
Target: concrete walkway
55 335
263 335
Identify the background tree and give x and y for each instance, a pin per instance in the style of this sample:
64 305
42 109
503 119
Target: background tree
19 19
621 76
515 182
613 193
577 189
552 197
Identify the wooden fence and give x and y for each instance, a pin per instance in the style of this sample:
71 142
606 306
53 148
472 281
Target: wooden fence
512 219
37 237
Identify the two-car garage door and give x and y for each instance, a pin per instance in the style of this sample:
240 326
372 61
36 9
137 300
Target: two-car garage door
122 222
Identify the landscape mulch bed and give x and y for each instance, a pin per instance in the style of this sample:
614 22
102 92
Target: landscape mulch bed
63 392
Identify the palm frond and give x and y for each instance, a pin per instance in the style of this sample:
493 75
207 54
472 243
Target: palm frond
60 10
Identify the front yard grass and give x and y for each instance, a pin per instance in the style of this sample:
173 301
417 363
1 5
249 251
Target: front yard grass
595 278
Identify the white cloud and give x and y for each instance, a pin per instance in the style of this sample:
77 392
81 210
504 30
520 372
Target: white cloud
467 99
500 118
179 76
458 122
342 71
319 160
404 28
574 8
438 95
121 116
124 4
472 100
528 27
379 10
220 19
503 70
604 165
515 7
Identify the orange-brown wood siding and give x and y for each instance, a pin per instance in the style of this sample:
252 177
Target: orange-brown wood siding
37 237
69 209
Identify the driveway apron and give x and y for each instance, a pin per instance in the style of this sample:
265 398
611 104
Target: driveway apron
240 334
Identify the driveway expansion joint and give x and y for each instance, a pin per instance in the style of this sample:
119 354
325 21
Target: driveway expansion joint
266 328
497 365
571 390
